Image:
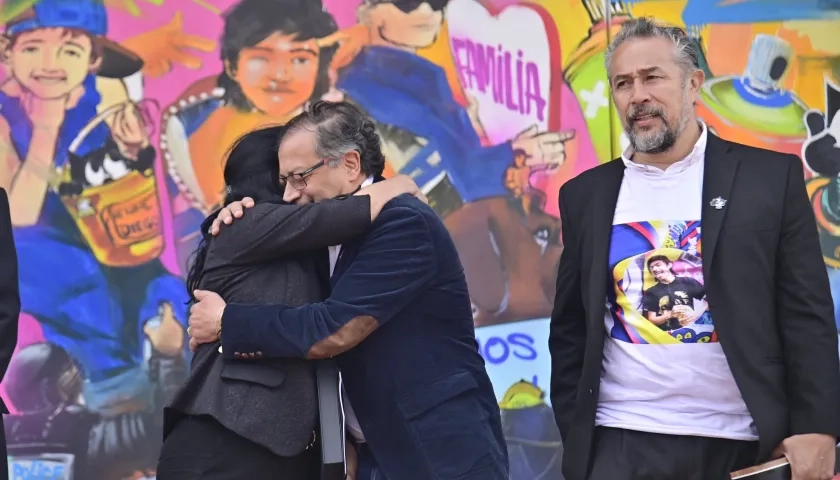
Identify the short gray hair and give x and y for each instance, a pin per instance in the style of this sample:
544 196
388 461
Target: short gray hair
685 50
339 128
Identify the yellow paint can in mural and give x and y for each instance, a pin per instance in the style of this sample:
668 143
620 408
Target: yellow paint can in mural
120 220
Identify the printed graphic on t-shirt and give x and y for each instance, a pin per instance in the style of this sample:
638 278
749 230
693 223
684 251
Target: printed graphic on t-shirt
658 296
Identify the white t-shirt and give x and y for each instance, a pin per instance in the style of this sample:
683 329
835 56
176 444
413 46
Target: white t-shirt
663 369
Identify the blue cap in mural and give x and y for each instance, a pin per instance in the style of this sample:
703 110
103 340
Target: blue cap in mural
82 15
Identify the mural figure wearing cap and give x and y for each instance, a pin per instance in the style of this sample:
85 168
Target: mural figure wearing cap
76 159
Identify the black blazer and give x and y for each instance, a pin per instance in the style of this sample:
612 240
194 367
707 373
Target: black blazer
273 254
766 286
9 292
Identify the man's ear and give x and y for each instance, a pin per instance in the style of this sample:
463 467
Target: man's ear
352 162
695 81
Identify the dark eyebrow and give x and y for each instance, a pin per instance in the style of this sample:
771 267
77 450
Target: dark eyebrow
77 45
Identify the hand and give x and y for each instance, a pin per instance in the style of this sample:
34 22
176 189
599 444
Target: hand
820 150
229 212
46 114
811 455
352 460
205 318
129 131
168 45
350 42
167 337
544 149
384 191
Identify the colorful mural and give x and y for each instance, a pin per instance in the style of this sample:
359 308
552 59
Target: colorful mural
116 115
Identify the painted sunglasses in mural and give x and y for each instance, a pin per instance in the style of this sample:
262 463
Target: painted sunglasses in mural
408 6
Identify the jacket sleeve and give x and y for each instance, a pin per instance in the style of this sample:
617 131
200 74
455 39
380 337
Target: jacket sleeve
270 230
394 263
567 333
805 315
9 292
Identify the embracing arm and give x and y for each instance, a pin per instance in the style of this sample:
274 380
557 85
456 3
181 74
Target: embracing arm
567 333
271 230
805 316
393 265
9 292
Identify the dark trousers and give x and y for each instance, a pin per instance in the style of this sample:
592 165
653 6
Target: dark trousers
200 448
368 468
630 455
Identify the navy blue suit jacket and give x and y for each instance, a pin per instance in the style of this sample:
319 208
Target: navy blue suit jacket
416 381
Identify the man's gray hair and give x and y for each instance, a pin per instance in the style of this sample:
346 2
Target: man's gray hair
685 50
340 128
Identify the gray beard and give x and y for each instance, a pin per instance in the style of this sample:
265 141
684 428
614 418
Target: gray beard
661 140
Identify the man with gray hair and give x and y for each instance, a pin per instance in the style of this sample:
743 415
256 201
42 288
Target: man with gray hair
692 332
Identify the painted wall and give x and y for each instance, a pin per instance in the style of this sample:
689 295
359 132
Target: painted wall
491 108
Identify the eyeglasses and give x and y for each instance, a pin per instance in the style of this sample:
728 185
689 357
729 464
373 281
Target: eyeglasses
298 180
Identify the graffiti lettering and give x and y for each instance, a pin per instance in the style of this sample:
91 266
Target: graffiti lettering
134 220
497 350
515 84
37 470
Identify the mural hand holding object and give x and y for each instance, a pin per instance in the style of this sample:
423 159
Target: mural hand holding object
129 131
205 318
165 333
168 45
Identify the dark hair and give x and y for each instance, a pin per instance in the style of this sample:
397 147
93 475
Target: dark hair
339 128
252 171
251 21
658 258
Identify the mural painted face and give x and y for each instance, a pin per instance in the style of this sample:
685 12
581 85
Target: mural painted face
320 182
653 95
400 25
51 62
278 74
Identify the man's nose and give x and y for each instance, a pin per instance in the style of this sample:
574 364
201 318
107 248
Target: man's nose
639 94
291 194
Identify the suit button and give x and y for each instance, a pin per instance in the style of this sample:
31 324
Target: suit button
259 354
237 355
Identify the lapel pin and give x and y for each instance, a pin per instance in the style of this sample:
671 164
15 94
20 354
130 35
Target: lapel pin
718 203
